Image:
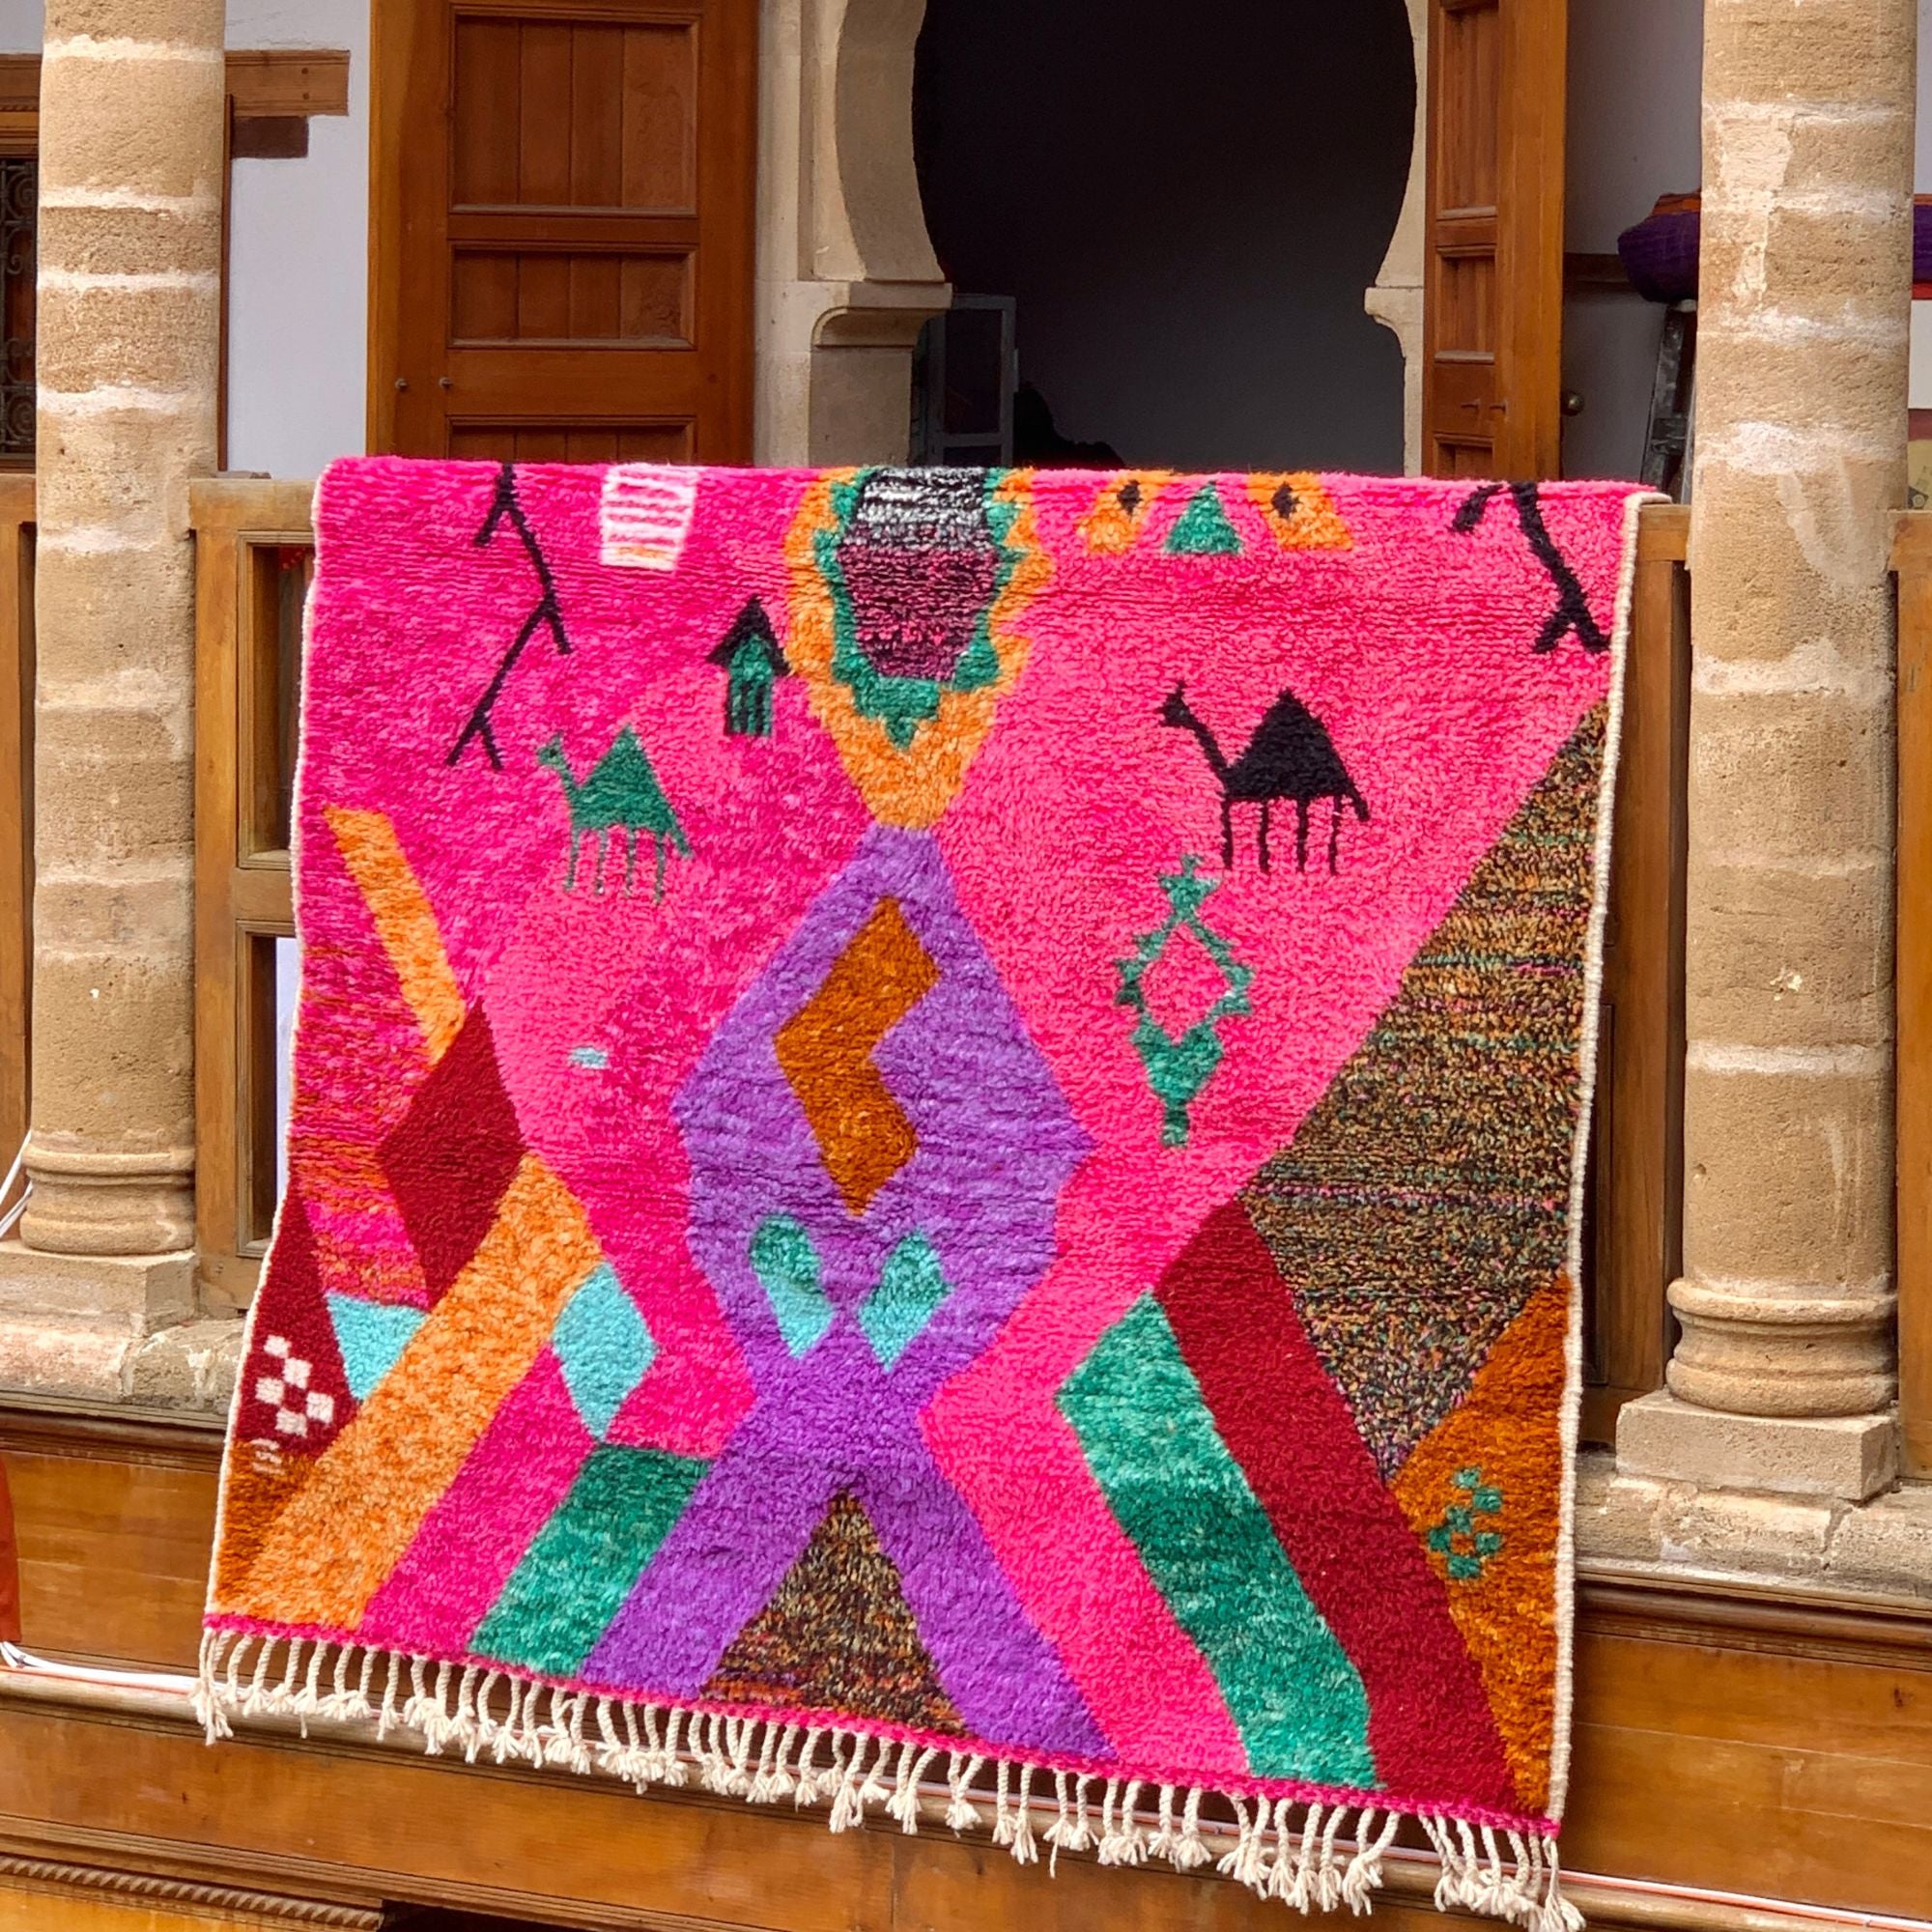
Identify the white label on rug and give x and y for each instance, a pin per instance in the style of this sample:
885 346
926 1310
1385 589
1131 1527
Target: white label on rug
644 515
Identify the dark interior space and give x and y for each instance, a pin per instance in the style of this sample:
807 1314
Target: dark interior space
1185 205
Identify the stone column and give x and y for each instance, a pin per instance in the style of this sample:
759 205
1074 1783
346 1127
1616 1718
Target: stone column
1786 1364
132 115
846 273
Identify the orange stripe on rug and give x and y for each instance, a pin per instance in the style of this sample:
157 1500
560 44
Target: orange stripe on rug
332 1547
404 922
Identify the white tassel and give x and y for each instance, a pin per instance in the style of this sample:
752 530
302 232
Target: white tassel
674 1773
1288 1879
1283 1848
961 1814
1239 1860
390 1716
207 1703
255 1698
1025 1847
291 1670
1327 1873
1190 1851
1556 1913
1364 1875
1122 1839
1301 1893
905 1804
1071 1831
714 1765
783 1781
874 1792
848 1806
743 1735
808 1791
760 1791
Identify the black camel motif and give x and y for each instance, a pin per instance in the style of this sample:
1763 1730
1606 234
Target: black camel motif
1290 756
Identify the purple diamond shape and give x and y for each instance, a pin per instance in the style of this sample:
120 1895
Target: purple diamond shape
996 1141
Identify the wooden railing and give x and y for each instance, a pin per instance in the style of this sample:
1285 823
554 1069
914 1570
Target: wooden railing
1637 1166
16 807
1912 561
254 553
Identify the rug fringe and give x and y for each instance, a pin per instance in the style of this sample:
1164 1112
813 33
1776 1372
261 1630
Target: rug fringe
1314 1856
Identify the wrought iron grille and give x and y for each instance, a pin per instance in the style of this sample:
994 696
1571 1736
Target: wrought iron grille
19 200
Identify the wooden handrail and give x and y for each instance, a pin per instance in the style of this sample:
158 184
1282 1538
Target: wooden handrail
1637 1167
1912 561
17 788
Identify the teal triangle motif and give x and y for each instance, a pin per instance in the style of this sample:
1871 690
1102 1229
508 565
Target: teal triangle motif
786 1266
910 1290
371 1335
1203 528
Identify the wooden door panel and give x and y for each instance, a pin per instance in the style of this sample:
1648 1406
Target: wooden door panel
1468 45
571 443
1494 255
626 136
570 269
591 298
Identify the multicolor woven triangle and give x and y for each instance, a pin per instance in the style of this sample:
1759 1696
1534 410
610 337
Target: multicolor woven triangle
936 1137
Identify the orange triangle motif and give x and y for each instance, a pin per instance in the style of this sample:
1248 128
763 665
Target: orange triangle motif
1119 512
1483 1490
1298 511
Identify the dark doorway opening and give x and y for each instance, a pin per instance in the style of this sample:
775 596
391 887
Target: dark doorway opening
1184 206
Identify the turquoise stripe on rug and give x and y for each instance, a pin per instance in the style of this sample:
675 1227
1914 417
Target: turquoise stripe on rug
573 1578
1181 1498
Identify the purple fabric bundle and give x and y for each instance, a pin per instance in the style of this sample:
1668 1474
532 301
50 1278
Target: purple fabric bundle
1659 254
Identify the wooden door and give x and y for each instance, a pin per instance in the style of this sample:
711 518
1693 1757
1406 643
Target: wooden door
562 216
1493 302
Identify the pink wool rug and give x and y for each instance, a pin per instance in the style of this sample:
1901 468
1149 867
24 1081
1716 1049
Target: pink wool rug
936 1149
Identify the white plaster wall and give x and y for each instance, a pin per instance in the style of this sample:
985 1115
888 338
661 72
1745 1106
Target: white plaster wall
299 254
1924 172
20 24
1635 87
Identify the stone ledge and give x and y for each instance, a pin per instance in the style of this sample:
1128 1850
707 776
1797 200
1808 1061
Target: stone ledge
143 1292
1847 1458
1881 1547
1623 1521
191 1366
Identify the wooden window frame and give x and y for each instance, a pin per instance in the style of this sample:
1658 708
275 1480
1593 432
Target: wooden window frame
243 885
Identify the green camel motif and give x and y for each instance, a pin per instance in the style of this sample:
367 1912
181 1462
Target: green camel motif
621 794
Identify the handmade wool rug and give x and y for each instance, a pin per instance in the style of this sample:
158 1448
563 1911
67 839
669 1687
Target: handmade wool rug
936 1149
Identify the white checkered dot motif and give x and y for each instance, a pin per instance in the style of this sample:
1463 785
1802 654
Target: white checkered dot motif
284 1392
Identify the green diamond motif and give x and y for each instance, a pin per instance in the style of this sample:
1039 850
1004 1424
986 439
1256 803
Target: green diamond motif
1179 1066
